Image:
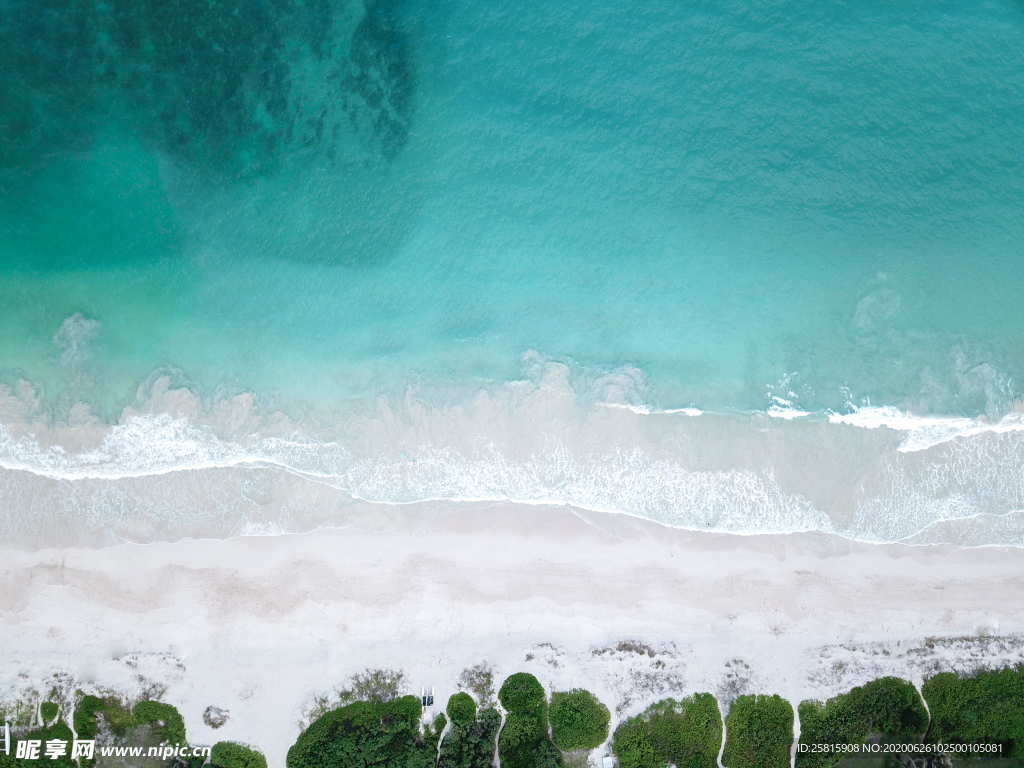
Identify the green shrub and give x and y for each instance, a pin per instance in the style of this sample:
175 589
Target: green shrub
522 693
633 746
48 710
363 734
117 718
685 733
471 746
578 720
887 709
57 731
166 718
524 741
432 732
759 732
85 716
461 709
228 754
982 709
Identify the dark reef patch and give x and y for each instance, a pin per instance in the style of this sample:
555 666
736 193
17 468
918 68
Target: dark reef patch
382 77
47 56
229 88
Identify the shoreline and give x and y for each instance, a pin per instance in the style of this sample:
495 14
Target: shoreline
366 507
436 589
176 466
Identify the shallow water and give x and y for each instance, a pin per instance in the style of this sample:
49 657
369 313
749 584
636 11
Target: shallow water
738 207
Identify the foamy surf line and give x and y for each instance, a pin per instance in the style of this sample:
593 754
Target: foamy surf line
159 445
922 432
643 410
132 451
753 490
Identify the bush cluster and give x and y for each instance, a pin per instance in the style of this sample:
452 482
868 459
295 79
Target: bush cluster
985 708
578 720
363 734
228 754
471 745
686 733
166 718
58 730
982 708
524 741
759 733
461 709
432 732
117 718
522 693
888 709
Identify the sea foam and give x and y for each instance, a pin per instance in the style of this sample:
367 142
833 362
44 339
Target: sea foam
924 432
171 464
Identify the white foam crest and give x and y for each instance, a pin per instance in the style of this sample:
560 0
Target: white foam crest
643 410
781 408
616 479
924 432
154 444
528 442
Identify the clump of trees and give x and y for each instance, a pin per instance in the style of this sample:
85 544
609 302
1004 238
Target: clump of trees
163 721
887 710
58 730
985 708
363 734
461 709
229 754
686 733
470 741
759 733
433 731
578 720
166 720
116 716
386 729
524 741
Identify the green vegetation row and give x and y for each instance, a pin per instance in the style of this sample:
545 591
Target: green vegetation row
888 710
986 708
759 733
365 733
686 733
385 730
148 723
470 740
524 742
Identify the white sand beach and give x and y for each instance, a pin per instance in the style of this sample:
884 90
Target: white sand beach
628 608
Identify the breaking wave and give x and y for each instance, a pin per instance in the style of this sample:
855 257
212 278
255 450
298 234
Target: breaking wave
174 466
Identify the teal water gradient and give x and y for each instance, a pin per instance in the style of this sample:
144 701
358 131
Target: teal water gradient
328 199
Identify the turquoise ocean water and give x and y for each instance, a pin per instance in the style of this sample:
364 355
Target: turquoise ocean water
326 205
